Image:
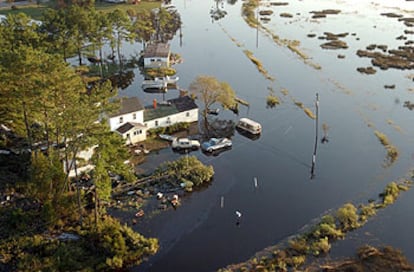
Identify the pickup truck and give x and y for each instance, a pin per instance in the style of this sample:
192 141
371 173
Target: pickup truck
185 143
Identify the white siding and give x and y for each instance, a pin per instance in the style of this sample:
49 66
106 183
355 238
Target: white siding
155 62
135 135
173 119
114 122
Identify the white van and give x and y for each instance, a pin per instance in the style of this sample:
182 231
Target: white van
249 126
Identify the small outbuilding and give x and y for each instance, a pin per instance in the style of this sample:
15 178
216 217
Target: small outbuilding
157 55
132 132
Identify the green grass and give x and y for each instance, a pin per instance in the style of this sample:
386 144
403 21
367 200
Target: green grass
35 11
108 7
32 10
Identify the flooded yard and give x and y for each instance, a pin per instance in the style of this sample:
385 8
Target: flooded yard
269 179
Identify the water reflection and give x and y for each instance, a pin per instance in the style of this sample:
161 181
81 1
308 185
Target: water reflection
247 134
217 12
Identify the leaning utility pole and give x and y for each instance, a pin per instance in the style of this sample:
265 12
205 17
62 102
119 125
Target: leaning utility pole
316 137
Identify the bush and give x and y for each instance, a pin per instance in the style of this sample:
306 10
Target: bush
272 100
168 130
299 245
320 246
348 217
366 211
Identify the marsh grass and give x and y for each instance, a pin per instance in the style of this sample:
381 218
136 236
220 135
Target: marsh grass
392 151
309 113
258 64
272 100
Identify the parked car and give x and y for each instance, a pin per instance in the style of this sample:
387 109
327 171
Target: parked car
215 144
185 143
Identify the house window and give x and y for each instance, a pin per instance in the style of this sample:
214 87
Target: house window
187 114
134 116
121 119
152 60
127 135
156 123
168 120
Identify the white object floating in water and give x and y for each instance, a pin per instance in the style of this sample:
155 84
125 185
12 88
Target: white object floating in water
222 202
255 182
238 214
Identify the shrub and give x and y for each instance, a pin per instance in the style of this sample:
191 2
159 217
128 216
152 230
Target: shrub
168 130
272 100
348 217
366 211
327 230
299 245
320 246
187 168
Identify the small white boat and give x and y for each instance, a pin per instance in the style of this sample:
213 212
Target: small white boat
154 84
160 82
167 137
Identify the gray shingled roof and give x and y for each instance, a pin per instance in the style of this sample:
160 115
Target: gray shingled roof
157 50
184 103
179 104
128 105
128 126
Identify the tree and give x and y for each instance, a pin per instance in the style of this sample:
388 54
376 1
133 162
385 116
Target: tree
81 22
209 90
122 29
143 25
60 34
19 30
100 31
109 157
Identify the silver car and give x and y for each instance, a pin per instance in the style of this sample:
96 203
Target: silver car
215 144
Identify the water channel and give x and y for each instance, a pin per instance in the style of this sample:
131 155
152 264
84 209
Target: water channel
201 235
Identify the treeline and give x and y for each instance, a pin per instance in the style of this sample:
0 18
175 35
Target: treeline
50 112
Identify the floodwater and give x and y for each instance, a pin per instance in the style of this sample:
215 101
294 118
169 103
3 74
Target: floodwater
202 235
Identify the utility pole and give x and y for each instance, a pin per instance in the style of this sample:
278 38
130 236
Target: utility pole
257 27
316 137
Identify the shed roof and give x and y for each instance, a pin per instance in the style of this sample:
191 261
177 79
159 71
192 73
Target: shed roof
128 105
157 50
128 126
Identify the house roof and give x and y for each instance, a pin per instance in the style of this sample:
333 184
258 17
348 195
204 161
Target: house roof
184 103
157 50
128 105
128 126
174 106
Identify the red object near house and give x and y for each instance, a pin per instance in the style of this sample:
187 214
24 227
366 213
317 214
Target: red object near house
154 103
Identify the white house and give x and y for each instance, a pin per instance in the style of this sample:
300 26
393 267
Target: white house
131 111
133 121
157 55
